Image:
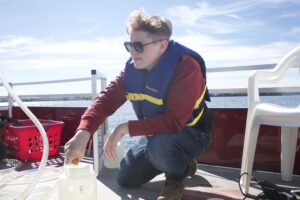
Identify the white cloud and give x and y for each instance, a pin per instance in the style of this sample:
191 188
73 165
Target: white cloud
88 30
42 54
8 43
74 58
221 53
290 15
26 49
226 18
35 46
281 1
190 16
295 31
208 10
85 19
215 19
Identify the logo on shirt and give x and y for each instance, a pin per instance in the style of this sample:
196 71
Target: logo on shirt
152 89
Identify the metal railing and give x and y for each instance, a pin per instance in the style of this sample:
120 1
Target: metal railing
100 76
243 90
95 76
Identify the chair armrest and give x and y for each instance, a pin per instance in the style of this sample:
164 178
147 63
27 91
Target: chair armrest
255 78
292 59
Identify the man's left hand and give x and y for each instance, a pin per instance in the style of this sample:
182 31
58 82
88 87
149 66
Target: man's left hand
113 139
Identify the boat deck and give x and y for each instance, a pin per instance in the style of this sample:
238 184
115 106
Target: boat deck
209 182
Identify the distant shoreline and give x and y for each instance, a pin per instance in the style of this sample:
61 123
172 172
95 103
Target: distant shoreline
261 94
80 98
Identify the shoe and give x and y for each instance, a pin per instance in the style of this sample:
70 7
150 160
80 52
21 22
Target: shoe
192 167
173 190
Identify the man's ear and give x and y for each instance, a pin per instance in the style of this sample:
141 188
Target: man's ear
164 45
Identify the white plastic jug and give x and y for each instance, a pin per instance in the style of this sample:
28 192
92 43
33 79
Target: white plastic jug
110 163
77 182
115 163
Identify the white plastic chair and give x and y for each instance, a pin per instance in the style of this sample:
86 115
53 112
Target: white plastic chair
269 114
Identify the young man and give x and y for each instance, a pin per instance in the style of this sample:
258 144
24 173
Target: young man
166 84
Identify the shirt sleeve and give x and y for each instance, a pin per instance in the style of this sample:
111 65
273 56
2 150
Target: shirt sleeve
185 89
104 105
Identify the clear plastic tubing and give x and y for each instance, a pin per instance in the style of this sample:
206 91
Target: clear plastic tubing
42 131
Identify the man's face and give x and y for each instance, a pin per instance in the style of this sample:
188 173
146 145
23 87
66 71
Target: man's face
151 52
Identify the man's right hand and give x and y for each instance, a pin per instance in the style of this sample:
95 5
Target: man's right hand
76 146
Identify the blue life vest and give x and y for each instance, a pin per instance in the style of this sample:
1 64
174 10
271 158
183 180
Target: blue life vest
147 90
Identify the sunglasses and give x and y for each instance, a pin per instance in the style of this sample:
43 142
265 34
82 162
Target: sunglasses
138 46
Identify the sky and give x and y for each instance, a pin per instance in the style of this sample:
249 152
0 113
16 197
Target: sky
64 39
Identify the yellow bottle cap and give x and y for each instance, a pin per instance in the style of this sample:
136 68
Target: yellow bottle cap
75 161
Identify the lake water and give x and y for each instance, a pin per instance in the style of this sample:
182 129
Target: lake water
125 113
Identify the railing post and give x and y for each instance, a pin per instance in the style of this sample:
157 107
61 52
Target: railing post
103 86
94 83
10 103
98 137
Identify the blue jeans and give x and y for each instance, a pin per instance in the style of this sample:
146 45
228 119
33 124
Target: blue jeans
162 153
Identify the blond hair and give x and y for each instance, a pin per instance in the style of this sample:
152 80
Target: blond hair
157 26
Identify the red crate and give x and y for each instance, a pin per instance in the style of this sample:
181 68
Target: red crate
25 142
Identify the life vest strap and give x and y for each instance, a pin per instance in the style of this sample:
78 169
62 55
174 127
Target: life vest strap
200 98
142 97
196 118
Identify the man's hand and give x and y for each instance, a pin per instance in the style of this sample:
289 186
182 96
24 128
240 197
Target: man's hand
76 146
112 141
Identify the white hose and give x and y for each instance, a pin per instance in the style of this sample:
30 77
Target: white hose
42 131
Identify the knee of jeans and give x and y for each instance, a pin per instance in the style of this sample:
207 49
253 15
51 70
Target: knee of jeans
169 164
162 155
